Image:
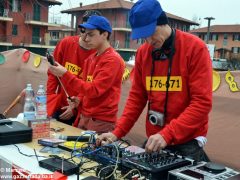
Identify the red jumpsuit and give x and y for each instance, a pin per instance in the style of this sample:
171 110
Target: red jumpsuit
189 96
100 88
69 54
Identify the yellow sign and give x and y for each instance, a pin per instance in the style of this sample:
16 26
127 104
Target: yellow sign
231 82
216 80
159 83
73 68
73 144
37 61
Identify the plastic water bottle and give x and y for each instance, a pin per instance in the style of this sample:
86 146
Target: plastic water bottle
29 105
41 103
29 92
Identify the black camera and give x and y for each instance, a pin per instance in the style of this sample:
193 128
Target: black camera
156 118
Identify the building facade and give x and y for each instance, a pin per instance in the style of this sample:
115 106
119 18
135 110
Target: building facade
24 23
226 39
58 33
117 11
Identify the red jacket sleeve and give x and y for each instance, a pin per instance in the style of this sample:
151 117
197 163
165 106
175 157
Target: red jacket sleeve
135 103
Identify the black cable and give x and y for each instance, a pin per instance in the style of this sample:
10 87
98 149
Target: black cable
84 152
151 85
170 57
27 154
169 72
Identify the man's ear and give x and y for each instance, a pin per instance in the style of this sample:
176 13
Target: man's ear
105 34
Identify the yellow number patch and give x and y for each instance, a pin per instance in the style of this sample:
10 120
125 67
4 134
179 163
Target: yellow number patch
159 83
74 69
89 78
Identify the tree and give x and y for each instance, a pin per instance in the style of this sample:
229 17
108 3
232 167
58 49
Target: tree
198 20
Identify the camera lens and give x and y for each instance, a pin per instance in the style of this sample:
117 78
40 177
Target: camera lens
153 119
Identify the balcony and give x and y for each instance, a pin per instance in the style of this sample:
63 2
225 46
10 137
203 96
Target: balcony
30 19
121 26
5 40
37 42
5 16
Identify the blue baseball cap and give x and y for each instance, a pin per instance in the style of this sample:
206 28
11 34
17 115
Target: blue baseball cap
97 22
143 18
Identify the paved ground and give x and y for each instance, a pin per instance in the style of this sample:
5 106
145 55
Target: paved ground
224 125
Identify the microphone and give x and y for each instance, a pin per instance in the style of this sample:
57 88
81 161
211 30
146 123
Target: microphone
73 138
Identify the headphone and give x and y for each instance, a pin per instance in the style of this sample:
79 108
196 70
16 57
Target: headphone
163 53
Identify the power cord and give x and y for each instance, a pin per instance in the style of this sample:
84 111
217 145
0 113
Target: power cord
27 154
116 164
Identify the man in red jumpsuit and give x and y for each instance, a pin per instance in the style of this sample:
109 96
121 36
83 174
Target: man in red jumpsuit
173 77
70 52
99 90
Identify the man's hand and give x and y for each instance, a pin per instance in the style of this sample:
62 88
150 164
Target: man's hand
105 138
57 69
67 114
74 102
155 143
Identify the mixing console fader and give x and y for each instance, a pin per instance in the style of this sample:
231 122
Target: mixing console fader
154 165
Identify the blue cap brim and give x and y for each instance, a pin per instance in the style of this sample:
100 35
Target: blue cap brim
144 31
87 26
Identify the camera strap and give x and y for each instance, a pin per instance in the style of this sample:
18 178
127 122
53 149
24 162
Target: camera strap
170 57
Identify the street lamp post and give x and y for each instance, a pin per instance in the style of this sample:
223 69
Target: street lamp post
209 22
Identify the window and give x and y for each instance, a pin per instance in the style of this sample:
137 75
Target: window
236 50
214 37
15 5
184 28
116 44
36 35
36 12
5 12
205 37
225 36
140 41
127 20
175 25
54 35
14 30
236 37
127 40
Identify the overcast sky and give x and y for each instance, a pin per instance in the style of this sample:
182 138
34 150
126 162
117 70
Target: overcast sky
224 11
